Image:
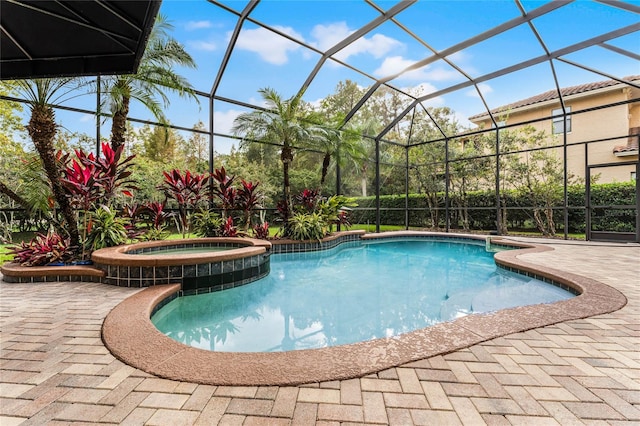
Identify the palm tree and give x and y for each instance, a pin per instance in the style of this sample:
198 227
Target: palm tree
40 94
343 146
282 122
155 76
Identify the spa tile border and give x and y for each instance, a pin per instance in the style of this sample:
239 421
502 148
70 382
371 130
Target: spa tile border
247 260
129 334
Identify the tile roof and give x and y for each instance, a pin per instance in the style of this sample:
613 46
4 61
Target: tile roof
553 94
632 142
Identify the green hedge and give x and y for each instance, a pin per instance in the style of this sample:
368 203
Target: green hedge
482 213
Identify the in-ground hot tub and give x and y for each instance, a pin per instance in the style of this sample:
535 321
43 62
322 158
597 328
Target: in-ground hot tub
200 265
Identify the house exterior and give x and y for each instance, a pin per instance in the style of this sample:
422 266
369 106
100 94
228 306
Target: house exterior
595 136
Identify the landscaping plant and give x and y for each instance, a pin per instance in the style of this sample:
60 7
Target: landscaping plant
187 191
307 226
89 179
106 230
224 191
261 231
229 229
248 201
207 224
43 250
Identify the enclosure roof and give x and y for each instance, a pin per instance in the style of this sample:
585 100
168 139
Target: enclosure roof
73 38
553 94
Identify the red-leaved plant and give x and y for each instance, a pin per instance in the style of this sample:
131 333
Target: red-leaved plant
186 190
228 229
89 179
261 231
224 191
248 200
42 250
308 199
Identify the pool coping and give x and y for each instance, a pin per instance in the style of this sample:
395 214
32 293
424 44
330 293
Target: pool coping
131 336
122 256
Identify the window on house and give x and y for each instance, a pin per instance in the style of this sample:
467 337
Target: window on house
558 121
633 176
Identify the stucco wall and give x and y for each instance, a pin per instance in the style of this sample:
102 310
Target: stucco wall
612 122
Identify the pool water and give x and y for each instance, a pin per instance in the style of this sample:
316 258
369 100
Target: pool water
355 292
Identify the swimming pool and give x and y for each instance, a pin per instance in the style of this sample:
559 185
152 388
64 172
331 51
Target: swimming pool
355 292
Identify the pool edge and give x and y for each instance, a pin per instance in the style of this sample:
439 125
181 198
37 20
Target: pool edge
129 334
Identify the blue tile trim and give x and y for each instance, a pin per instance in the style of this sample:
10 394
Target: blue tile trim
540 278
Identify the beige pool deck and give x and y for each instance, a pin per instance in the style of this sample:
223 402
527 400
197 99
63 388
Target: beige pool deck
55 369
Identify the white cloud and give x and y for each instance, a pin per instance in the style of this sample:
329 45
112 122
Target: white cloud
377 45
197 25
207 46
85 118
223 120
395 64
268 45
484 88
327 36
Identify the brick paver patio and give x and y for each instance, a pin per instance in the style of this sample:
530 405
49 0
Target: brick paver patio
55 370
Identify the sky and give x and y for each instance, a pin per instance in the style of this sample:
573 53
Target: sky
262 58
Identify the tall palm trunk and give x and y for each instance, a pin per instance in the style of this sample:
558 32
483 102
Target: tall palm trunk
286 156
42 130
119 124
325 168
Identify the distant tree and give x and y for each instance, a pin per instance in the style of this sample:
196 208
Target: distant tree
161 144
343 100
536 176
196 150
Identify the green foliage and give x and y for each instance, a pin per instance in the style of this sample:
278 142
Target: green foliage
161 144
482 211
156 234
330 210
5 255
207 224
306 226
106 230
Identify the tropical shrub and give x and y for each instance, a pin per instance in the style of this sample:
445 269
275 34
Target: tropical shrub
335 210
207 224
43 250
261 231
187 191
306 226
88 178
224 191
229 229
248 200
105 229
309 205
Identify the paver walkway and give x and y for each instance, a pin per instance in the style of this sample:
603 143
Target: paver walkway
55 370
